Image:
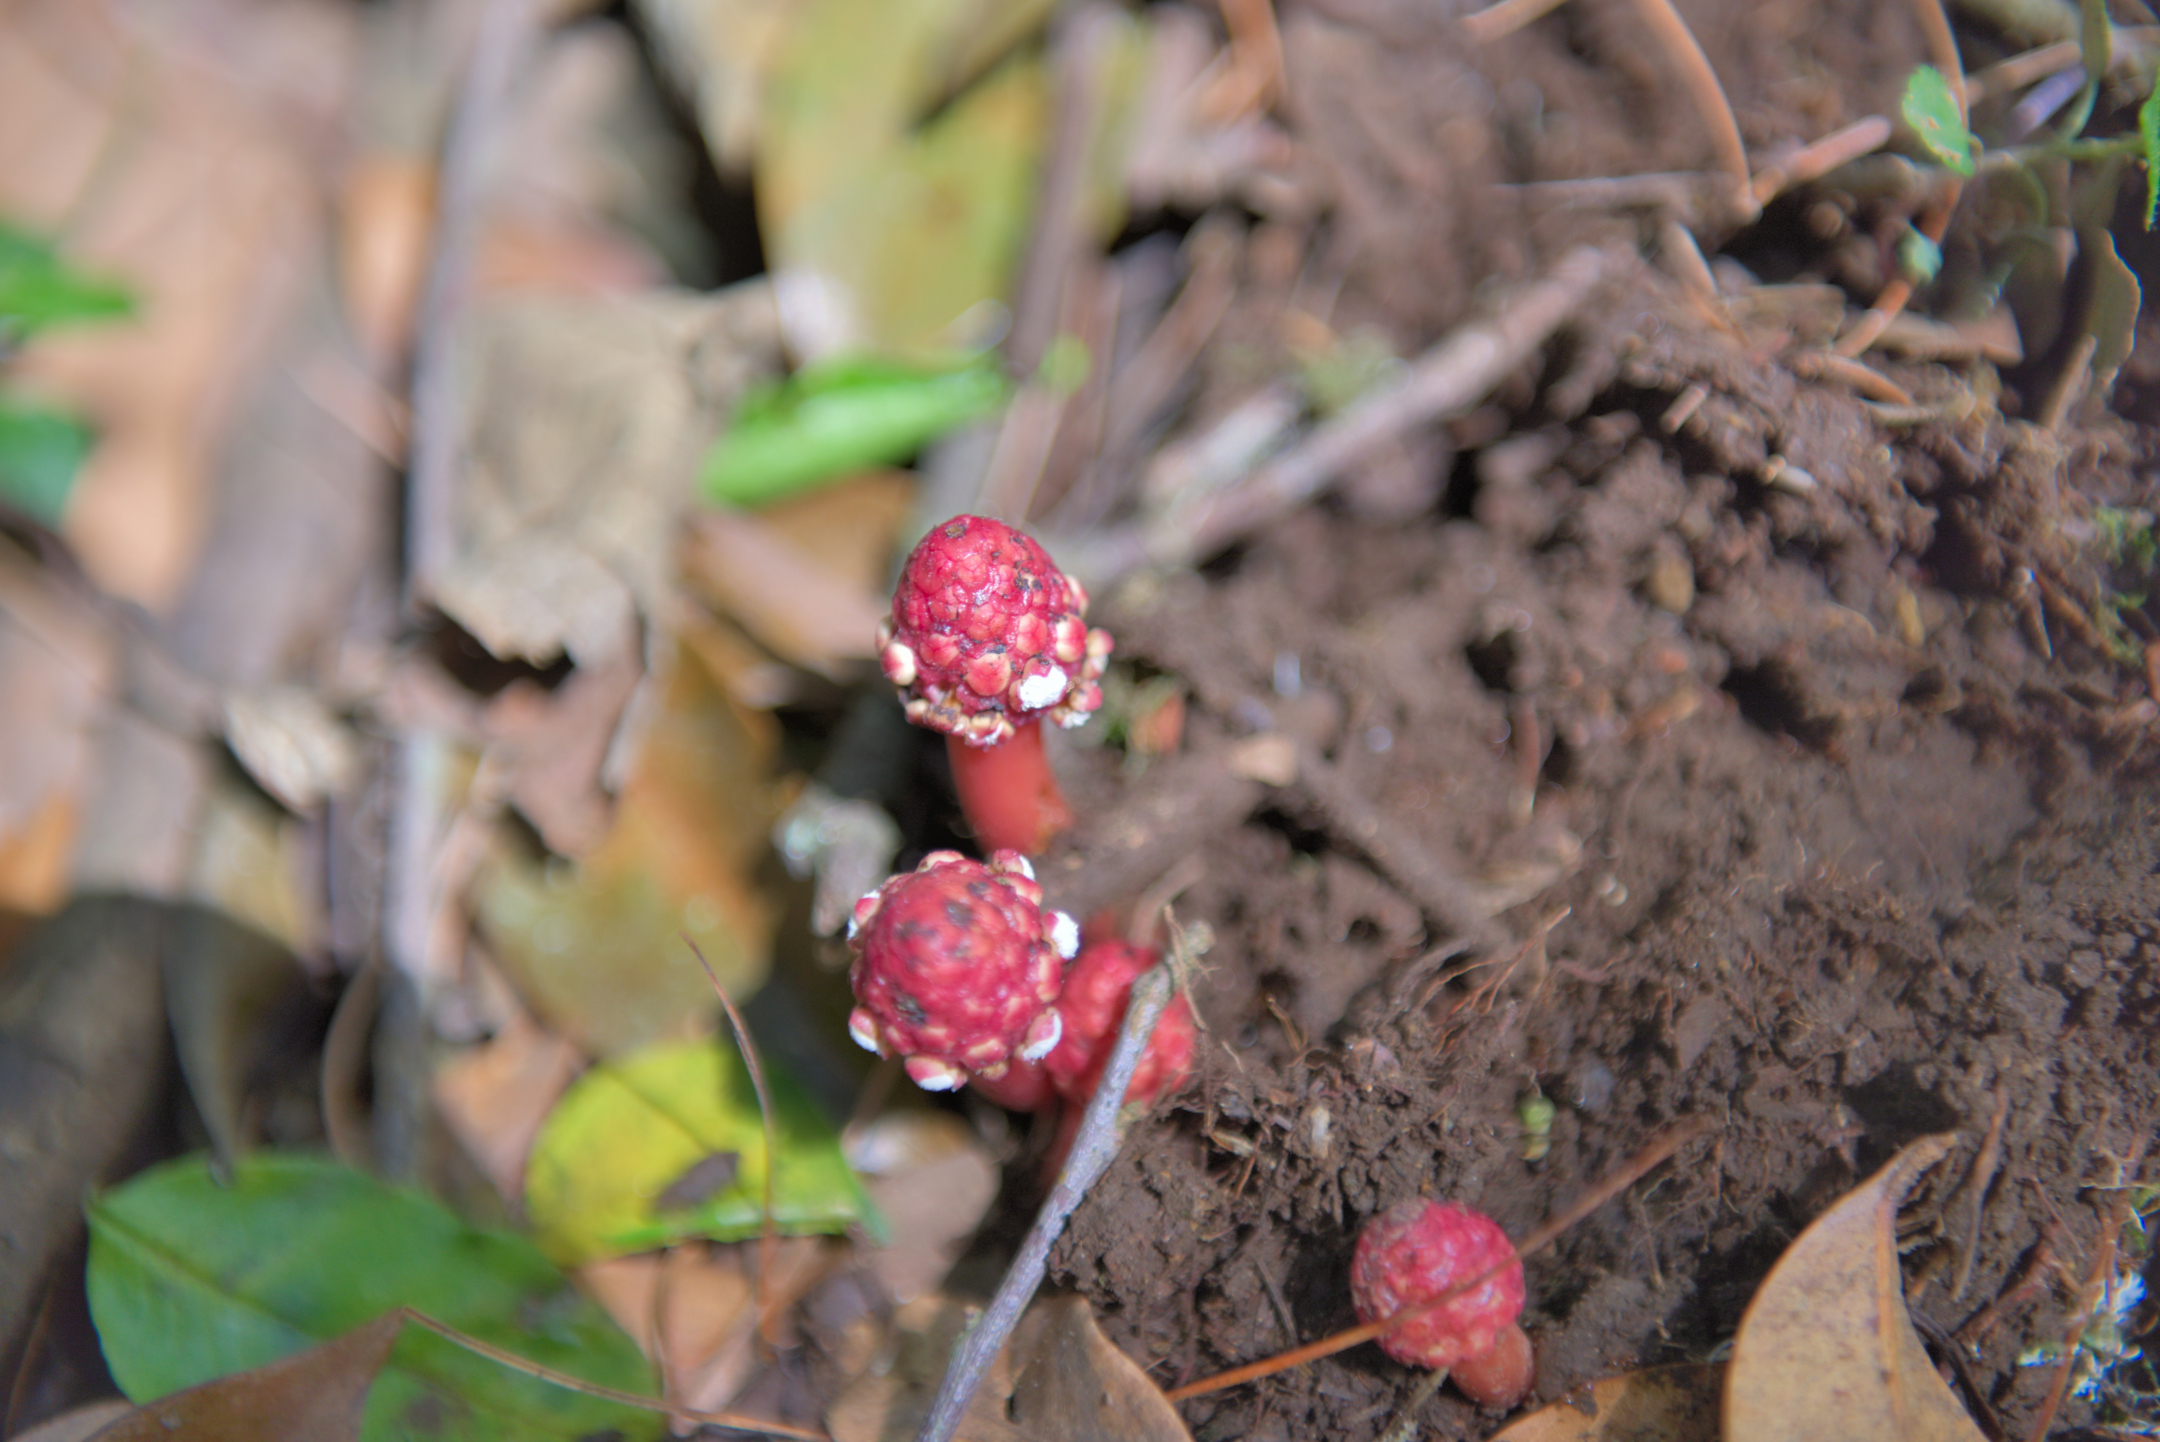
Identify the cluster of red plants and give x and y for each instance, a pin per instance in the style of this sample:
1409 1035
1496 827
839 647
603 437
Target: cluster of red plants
960 970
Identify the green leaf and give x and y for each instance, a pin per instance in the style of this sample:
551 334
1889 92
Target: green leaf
190 1280
2149 137
1918 257
839 417
39 290
1932 111
2111 308
40 453
631 1129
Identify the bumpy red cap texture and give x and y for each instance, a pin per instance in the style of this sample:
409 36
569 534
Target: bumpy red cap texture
1416 1250
956 965
987 635
1092 1007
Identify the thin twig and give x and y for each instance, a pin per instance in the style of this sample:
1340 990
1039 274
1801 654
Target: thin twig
1093 1149
1977 1182
1406 1428
509 29
733 1421
1942 48
1436 886
1827 365
1701 84
1449 378
2090 1296
1507 17
767 1237
1659 1149
1819 158
2020 71
1894 296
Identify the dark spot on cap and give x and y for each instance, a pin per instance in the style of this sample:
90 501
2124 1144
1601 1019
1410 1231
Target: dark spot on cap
956 528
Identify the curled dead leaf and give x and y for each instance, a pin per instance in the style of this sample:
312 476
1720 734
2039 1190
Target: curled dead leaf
1652 1404
1827 1349
316 1396
1059 1381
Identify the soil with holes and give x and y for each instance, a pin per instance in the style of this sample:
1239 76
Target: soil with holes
1711 748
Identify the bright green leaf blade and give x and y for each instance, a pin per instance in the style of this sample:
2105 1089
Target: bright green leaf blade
39 290
2149 138
631 1129
1932 111
41 451
838 418
190 1280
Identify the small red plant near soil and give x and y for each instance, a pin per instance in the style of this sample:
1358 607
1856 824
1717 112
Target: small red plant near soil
1090 1011
1093 1005
956 967
986 638
1416 1251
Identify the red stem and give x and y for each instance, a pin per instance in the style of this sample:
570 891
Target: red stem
1501 1377
1008 793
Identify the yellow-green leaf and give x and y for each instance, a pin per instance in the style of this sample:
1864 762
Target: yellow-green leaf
666 1119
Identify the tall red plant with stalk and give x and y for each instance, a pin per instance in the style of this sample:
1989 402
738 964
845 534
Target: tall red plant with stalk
987 639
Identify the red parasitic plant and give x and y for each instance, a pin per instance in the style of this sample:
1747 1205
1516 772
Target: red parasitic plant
988 637
1092 1007
956 966
1091 1011
1416 1251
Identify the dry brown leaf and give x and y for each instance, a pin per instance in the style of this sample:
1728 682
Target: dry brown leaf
386 220
596 948
707 1334
746 670
56 676
291 744
932 1180
1827 1351
717 52
850 528
1059 1380
317 1396
77 1424
34 857
888 1402
1071 1385
1653 1404
494 1096
232 995
781 595
583 433
174 145
553 747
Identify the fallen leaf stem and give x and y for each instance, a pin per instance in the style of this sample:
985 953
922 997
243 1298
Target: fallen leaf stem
2092 1293
733 1421
1661 1147
768 1234
1097 1143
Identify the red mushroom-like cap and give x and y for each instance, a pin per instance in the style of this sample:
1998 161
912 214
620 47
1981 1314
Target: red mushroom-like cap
1416 1250
956 965
1092 1007
987 634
